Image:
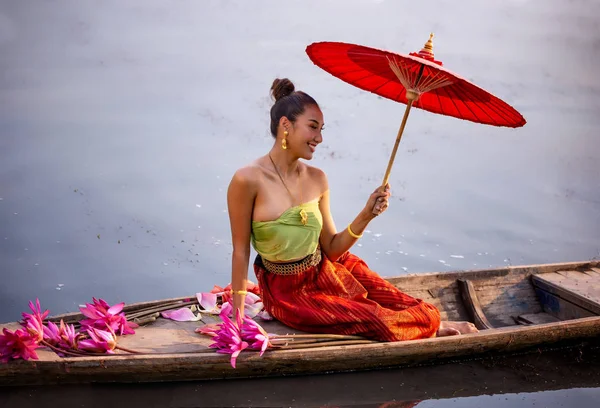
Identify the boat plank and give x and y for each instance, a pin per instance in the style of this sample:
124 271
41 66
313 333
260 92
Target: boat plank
559 307
434 279
575 275
500 303
592 272
200 366
501 316
184 354
500 297
471 302
582 292
538 318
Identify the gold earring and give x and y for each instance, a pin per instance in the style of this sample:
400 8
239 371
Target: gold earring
284 141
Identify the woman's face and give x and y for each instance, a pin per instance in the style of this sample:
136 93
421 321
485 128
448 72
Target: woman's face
305 134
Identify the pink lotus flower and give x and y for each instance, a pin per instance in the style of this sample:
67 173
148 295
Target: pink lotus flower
228 339
70 337
34 322
100 316
100 341
64 337
17 344
255 335
52 334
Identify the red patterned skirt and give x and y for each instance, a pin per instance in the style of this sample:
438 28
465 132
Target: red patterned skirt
345 297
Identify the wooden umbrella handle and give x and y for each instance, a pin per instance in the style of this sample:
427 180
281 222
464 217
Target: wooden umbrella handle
395 149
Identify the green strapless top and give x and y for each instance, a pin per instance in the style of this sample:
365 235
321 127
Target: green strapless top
286 238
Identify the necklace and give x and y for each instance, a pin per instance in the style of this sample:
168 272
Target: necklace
302 212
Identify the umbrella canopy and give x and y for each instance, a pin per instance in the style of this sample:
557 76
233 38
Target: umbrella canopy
391 75
415 79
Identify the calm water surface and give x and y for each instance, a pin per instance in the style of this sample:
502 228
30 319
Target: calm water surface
122 122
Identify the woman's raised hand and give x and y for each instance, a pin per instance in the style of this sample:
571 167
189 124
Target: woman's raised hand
379 200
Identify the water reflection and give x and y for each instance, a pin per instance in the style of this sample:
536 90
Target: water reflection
579 397
544 376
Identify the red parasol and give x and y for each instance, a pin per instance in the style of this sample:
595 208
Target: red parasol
416 79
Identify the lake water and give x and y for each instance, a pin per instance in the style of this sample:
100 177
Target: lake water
122 122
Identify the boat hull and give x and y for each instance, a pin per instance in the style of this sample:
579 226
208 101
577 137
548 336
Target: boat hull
186 356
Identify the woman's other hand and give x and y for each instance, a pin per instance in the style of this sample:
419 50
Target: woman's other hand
378 201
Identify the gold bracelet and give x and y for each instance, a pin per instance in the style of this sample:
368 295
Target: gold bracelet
239 292
352 234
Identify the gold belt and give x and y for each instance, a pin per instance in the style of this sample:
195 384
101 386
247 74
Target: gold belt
293 268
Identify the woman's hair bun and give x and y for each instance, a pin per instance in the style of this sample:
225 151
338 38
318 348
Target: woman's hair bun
281 87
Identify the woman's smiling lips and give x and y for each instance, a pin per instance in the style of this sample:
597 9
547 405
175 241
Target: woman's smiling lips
312 146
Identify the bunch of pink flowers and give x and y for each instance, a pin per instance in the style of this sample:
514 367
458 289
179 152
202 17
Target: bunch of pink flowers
98 332
232 338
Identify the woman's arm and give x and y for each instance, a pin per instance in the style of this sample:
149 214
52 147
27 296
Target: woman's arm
334 243
240 203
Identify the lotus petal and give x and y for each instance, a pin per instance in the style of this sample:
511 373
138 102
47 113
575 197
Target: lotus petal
113 310
209 329
237 352
263 314
251 298
226 309
208 301
181 315
253 310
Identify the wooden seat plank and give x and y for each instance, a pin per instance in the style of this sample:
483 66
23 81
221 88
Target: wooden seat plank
537 318
593 272
471 303
583 292
576 275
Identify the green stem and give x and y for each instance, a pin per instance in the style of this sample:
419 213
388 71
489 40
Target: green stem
303 341
145 320
74 352
162 308
126 349
59 350
326 344
317 336
133 308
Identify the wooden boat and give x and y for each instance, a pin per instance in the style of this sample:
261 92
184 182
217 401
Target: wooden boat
516 308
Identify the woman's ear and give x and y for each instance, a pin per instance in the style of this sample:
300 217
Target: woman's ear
285 123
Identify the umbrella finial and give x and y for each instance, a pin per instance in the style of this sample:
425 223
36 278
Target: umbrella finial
427 49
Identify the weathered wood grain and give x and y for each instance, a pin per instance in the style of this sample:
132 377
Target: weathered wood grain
537 318
503 293
584 291
593 272
141 368
471 303
561 308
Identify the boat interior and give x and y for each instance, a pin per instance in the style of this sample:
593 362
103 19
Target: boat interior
511 296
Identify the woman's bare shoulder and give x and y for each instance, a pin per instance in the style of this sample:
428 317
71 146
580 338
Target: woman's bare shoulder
248 175
317 175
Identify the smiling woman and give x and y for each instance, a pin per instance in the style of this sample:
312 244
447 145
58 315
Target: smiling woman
308 278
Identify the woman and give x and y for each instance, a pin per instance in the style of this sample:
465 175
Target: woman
307 277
